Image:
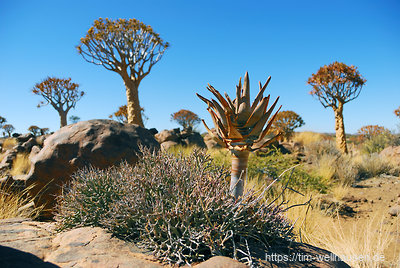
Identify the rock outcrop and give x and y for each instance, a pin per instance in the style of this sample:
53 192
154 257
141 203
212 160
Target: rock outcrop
186 137
27 243
99 143
391 152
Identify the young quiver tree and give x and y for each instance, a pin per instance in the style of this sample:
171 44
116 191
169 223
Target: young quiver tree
240 126
286 122
127 47
370 131
334 85
185 118
74 119
35 130
62 94
122 115
8 130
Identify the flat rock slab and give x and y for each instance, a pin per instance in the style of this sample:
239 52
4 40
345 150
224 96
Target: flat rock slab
27 243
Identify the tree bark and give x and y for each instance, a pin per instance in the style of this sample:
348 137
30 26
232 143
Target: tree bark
133 105
339 128
63 118
238 172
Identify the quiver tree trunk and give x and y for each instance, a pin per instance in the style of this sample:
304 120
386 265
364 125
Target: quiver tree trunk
63 118
133 105
339 128
238 172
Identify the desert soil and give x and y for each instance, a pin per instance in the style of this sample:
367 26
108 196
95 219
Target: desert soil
373 198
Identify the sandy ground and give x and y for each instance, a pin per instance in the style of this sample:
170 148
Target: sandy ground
373 198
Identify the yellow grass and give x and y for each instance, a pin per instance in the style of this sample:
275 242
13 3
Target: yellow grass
16 204
21 164
339 191
308 137
326 167
9 143
360 244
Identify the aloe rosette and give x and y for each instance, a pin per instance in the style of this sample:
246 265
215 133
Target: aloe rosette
240 127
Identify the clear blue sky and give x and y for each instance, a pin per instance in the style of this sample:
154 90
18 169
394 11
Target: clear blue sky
212 42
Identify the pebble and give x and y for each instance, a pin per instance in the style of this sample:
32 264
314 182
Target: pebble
395 210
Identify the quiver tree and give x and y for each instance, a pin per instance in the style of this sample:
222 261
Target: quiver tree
62 94
185 118
334 85
240 126
397 112
8 130
127 47
74 119
370 131
286 122
35 130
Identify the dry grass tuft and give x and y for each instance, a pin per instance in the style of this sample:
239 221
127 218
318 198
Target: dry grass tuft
16 203
21 164
9 143
308 137
340 190
359 247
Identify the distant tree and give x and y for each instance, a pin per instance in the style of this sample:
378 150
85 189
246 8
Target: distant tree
334 85
185 118
127 47
8 129
74 119
397 112
286 122
62 94
35 130
2 121
370 131
122 115
44 131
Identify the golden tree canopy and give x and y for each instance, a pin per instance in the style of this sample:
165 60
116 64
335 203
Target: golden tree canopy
122 46
8 129
369 131
185 118
336 83
35 130
286 122
397 112
122 114
62 94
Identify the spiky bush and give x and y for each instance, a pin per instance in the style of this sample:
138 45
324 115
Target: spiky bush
177 206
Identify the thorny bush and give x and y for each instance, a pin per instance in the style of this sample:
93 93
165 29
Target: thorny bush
177 206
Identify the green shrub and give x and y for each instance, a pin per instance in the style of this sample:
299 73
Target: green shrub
274 163
377 143
177 206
